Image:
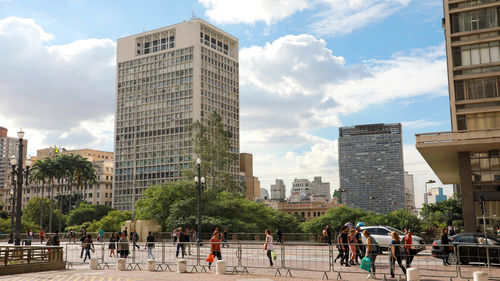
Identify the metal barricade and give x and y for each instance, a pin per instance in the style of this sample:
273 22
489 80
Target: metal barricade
230 253
74 254
478 257
430 261
381 263
306 257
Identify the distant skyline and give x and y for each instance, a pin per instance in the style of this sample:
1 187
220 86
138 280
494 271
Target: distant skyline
306 68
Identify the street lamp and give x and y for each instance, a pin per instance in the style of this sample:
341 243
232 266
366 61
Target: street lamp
11 199
199 180
427 202
20 173
341 191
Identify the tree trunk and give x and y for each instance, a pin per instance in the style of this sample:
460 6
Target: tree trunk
41 206
51 195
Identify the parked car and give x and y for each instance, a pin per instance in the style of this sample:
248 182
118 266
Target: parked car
382 235
472 250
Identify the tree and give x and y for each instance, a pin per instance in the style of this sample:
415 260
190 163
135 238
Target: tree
444 212
402 219
87 213
213 146
173 205
31 213
111 222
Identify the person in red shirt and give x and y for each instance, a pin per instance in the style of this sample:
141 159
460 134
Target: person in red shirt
215 247
408 251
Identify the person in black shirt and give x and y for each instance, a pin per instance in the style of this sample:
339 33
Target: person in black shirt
55 239
224 238
444 244
135 238
180 245
345 246
280 235
329 235
360 248
150 245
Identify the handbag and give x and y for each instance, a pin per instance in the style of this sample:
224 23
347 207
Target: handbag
210 258
366 263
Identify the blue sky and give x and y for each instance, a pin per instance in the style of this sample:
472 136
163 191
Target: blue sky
334 63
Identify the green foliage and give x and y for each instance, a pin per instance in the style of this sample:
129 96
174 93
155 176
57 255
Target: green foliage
109 223
212 145
86 213
25 226
175 205
31 213
444 212
337 217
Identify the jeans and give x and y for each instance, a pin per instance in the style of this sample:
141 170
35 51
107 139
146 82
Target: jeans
269 255
393 263
81 253
409 257
373 258
180 245
87 254
345 257
150 253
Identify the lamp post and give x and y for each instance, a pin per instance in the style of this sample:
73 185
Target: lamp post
199 180
341 191
11 199
427 202
20 173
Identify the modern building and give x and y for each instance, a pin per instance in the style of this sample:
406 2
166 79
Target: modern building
264 194
100 193
321 189
468 155
9 147
435 195
409 193
168 78
306 210
371 167
278 190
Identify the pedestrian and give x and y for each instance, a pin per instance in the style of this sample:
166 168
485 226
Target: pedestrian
125 232
72 236
395 254
123 246
181 243
345 245
42 235
150 244
445 241
55 239
352 246
135 239
224 238
340 249
360 248
82 239
30 234
101 236
372 250
451 229
279 234
215 247
89 245
112 245
192 235
325 234
268 246
188 240
408 251
175 235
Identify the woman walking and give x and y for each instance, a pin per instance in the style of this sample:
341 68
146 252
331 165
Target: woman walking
215 247
352 246
269 246
445 241
112 245
371 252
396 253
88 244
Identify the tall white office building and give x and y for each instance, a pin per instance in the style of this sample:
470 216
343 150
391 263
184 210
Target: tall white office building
166 79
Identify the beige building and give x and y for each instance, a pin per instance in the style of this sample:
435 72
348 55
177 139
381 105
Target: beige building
306 210
100 193
252 184
468 156
409 193
168 78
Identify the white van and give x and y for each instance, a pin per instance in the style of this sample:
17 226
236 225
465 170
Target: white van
382 235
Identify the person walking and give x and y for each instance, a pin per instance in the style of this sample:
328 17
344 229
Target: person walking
123 247
329 234
82 239
181 243
325 234
135 239
125 232
445 241
345 245
55 239
42 235
395 254
30 234
175 235
215 247
268 246
101 236
188 240
72 236
279 234
360 248
371 252
408 252
112 245
88 245
340 249
150 244
352 246
451 229
224 238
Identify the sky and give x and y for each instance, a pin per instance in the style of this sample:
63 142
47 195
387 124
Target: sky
307 67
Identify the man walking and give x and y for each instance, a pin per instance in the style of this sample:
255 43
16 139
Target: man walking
135 238
180 245
280 235
150 245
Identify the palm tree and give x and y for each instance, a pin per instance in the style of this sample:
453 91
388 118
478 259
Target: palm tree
39 173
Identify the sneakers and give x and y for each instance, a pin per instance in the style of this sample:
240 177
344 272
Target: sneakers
371 276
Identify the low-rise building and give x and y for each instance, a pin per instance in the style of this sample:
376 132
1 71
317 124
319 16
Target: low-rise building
306 210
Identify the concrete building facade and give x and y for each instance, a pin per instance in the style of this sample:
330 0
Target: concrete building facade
409 193
278 190
9 146
371 167
468 156
305 210
252 184
436 195
264 194
166 79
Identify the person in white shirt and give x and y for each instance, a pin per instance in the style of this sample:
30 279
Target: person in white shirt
269 246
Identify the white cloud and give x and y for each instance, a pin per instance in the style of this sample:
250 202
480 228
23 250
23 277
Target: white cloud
60 94
344 16
244 11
